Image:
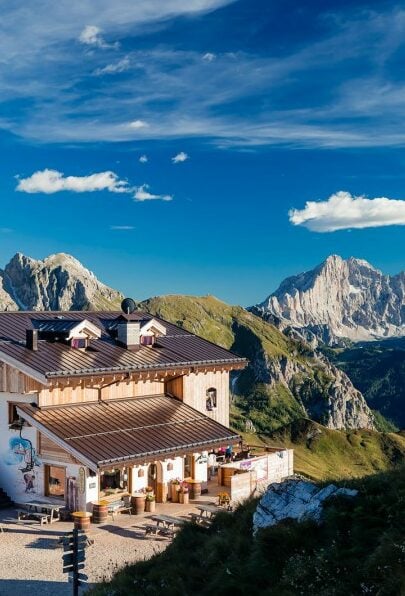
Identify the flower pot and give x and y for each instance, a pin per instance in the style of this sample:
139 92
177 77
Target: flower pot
174 488
150 506
184 498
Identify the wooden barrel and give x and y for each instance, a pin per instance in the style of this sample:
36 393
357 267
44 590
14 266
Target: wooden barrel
138 503
81 520
226 475
195 489
100 513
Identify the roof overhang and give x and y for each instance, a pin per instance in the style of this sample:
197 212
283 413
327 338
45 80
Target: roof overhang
130 431
24 368
57 440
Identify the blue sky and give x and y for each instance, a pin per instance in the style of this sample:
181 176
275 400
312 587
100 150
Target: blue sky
287 122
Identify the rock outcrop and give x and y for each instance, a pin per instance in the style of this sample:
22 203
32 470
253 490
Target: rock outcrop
324 392
59 282
339 299
294 499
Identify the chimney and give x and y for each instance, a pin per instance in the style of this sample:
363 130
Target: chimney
32 339
129 334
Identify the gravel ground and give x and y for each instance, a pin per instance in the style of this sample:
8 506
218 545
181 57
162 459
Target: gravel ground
31 559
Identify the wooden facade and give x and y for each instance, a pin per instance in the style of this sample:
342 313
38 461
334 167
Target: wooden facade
190 387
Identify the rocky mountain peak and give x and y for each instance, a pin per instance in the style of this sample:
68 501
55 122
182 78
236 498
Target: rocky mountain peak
58 282
341 298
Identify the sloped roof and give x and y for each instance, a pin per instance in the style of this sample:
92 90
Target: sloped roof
101 434
178 348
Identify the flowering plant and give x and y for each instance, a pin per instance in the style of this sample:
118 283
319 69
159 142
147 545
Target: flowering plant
150 496
184 488
176 481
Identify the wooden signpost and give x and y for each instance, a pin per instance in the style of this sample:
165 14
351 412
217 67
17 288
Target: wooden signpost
73 557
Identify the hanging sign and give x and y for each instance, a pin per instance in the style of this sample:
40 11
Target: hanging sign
82 480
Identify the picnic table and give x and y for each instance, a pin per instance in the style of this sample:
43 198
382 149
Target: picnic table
43 511
168 521
165 525
208 511
205 514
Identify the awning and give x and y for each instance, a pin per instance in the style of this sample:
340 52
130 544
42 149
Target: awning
127 431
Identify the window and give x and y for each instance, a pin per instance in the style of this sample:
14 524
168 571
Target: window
113 481
211 401
55 479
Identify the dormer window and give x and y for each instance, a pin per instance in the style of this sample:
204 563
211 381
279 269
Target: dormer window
73 332
211 400
79 343
147 339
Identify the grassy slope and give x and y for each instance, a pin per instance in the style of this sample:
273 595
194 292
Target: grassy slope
359 549
215 320
324 454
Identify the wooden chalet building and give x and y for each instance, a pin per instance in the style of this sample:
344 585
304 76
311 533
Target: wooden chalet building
101 403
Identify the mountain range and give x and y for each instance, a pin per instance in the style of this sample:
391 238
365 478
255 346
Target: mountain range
338 300
285 380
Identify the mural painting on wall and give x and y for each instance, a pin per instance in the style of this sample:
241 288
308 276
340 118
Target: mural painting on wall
22 456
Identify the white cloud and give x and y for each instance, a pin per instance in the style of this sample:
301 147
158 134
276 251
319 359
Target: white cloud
51 181
142 194
342 211
137 124
180 157
144 159
209 57
122 228
116 67
91 36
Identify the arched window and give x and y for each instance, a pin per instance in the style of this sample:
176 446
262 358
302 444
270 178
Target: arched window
211 401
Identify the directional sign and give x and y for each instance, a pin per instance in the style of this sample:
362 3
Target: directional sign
74 545
70 568
82 578
67 559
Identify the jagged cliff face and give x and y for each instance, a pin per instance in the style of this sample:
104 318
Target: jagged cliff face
339 299
322 392
59 282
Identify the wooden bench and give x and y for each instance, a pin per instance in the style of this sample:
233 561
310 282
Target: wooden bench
159 530
25 515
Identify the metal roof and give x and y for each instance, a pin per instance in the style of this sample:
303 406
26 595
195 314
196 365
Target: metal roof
178 348
130 430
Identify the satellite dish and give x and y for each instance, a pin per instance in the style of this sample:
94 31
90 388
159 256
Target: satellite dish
128 306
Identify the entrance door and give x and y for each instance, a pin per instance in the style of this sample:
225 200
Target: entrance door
152 477
55 480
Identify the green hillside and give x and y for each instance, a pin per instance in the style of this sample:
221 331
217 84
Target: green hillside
358 549
324 454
